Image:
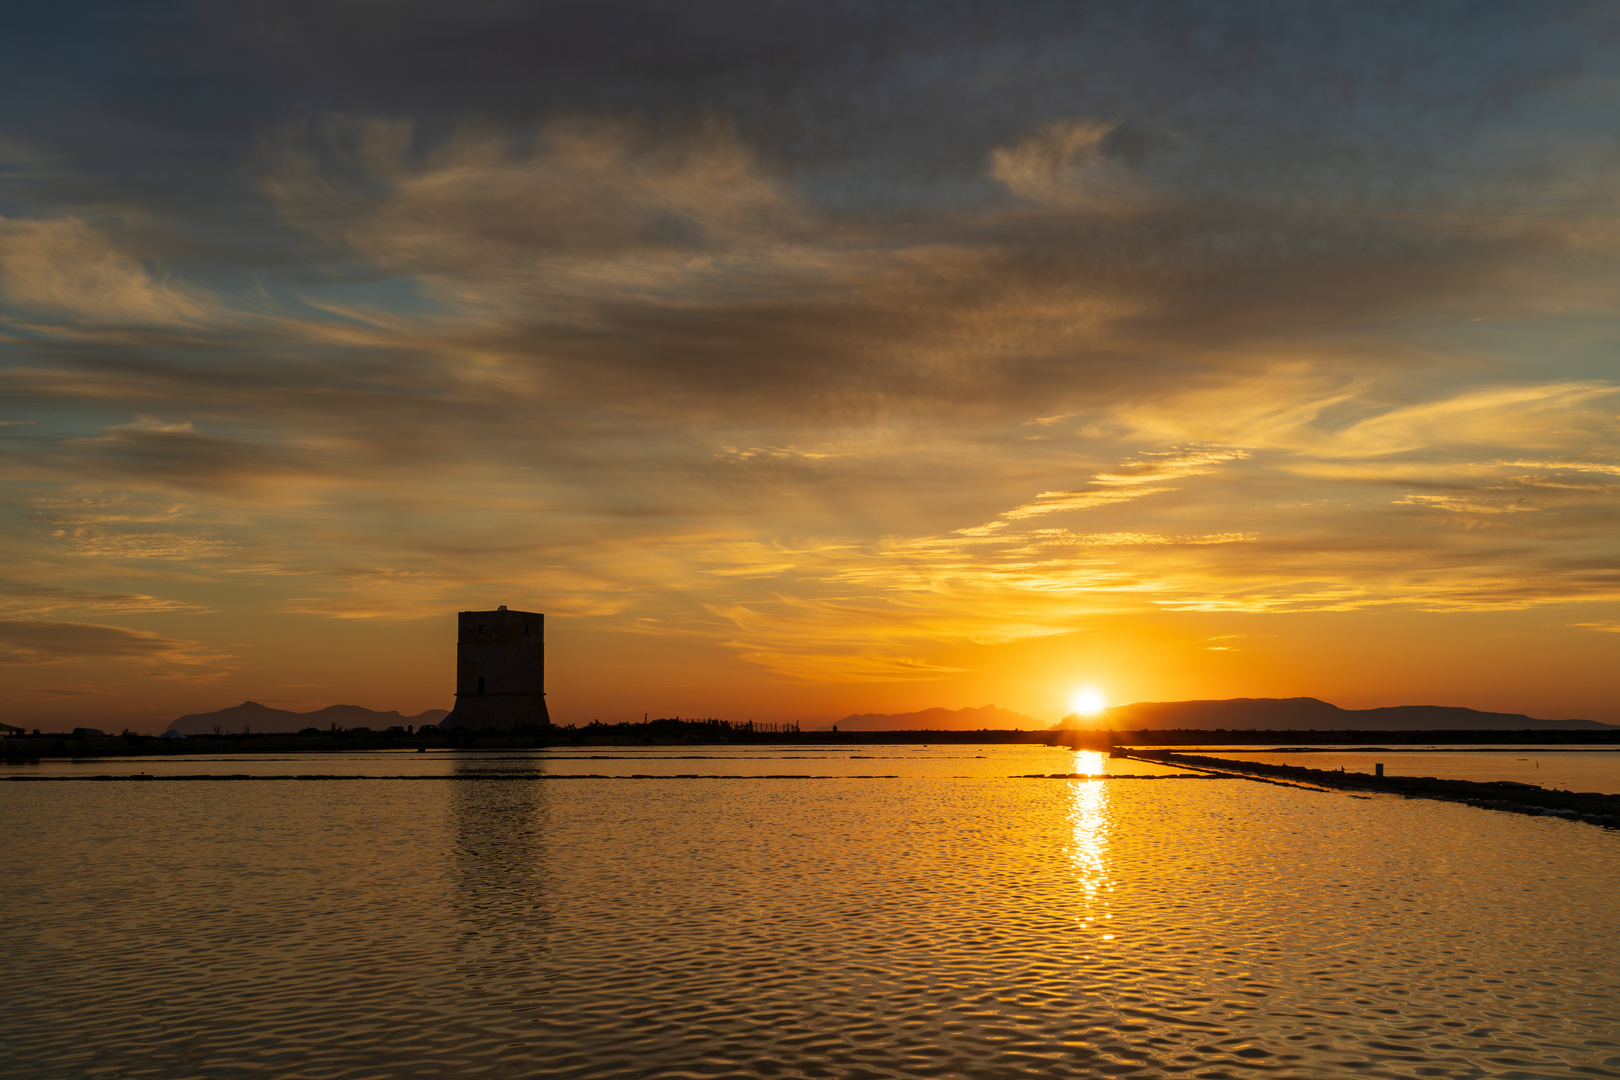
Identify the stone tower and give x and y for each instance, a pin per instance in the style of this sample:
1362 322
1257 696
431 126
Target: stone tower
500 671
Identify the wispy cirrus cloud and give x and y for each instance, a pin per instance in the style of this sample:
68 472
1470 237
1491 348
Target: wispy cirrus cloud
1052 502
41 641
66 267
31 598
1065 165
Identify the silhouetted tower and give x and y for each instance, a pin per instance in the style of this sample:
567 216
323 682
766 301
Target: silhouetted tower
500 671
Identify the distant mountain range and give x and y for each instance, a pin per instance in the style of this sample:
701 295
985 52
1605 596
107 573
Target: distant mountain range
1263 714
1304 713
262 719
982 718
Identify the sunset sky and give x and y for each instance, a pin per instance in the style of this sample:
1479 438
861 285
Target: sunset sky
800 359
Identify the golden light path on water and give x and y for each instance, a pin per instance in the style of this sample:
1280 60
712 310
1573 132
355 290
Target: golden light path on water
1090 820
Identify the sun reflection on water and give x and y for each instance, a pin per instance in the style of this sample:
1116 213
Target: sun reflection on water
1090 762
1090 818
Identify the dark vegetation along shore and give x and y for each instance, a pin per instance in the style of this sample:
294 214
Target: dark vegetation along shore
1593 807
682 732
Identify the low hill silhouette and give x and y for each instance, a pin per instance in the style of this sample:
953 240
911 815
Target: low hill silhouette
262 719
980 719
1305 713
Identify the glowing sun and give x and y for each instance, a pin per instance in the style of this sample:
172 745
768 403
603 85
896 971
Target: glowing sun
1087 702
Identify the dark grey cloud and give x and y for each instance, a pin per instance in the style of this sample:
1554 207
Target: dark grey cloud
864 104
847 80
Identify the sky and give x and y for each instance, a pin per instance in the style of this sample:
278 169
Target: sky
799 360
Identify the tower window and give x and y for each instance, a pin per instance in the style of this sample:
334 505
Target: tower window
482 629
480 684
525 628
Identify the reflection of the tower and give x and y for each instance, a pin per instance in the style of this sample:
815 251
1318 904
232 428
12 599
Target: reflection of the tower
1090 820
498 829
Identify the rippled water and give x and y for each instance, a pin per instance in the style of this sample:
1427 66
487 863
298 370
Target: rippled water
942 921
942 761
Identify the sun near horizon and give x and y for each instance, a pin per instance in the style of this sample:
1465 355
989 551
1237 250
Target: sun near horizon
1087 701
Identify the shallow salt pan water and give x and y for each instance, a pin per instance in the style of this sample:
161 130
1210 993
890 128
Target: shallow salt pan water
922 925
943 761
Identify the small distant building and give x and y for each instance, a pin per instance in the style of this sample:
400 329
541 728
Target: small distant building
500 671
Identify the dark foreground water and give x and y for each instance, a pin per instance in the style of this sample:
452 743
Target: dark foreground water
898 913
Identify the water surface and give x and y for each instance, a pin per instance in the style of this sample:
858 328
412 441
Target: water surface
942 921
615 761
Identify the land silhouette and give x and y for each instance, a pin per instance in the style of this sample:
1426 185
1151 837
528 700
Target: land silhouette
1308 714
1232 714
985 717
252 718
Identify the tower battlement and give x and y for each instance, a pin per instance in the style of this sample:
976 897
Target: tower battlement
500 671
